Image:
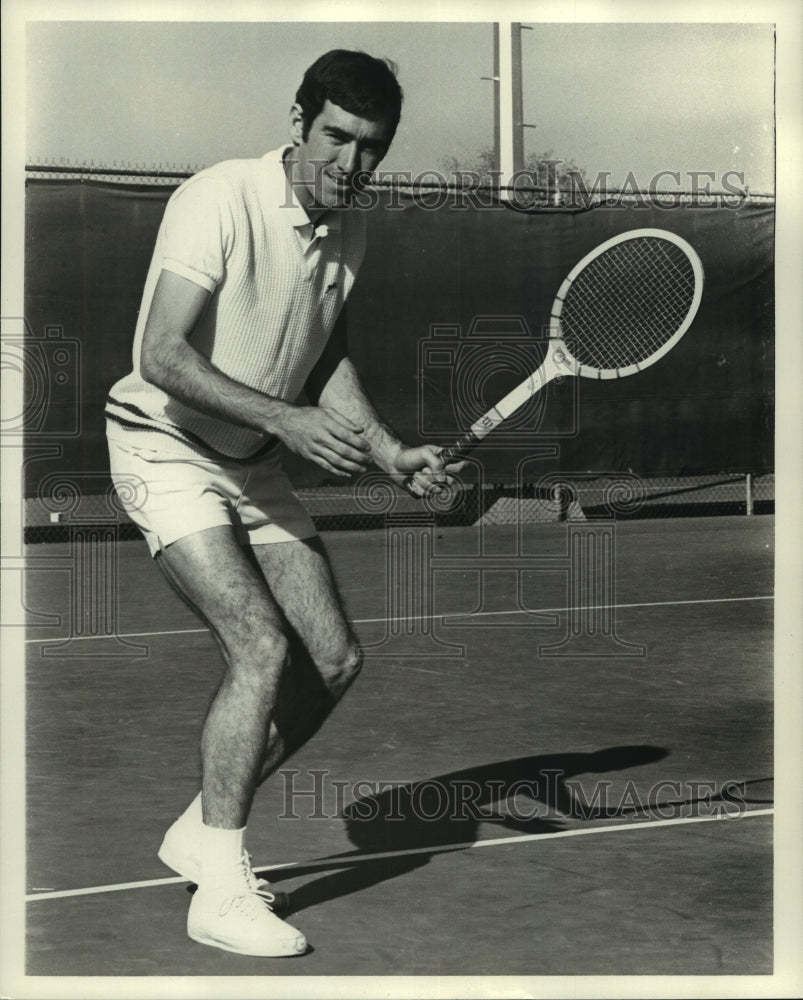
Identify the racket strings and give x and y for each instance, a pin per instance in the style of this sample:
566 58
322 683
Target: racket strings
627 303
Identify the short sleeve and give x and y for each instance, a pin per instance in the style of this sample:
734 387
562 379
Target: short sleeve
198 231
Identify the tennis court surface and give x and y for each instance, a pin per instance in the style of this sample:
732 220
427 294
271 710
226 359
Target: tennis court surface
518 784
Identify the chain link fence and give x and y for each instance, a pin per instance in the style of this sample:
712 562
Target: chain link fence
554 499
564 194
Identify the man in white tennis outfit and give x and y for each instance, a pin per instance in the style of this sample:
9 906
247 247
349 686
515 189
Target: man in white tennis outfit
242 309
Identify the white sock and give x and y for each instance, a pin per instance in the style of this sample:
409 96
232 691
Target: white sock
221 856
193 814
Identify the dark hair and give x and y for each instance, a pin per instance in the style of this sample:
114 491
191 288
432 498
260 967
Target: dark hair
356 82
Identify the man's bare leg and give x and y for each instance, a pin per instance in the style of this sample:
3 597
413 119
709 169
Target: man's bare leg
300 579
215 576
324 660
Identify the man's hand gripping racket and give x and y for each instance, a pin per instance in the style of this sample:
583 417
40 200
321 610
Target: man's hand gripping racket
624 306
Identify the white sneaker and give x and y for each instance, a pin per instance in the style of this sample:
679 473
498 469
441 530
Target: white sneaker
240 920
181 851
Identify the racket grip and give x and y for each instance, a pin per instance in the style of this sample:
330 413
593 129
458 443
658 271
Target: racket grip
449 453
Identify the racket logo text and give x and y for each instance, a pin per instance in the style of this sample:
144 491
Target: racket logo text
560 358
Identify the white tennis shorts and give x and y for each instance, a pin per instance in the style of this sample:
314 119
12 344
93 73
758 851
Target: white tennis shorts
169 497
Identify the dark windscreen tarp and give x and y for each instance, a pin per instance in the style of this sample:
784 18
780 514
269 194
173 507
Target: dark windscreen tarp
475 282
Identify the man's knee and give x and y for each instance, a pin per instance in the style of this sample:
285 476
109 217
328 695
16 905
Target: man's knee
353 661
341 670
261 661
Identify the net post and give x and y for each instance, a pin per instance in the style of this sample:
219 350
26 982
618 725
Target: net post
561 497
748 488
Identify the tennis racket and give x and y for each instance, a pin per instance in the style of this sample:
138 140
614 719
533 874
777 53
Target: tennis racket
622 308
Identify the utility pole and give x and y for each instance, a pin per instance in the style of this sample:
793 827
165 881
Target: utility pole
509 122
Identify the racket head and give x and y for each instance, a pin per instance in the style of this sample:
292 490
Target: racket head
626 304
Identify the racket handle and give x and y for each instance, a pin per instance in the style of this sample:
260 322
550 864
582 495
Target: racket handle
449 453
462 447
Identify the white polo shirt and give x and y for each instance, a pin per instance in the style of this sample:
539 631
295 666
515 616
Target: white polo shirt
278 283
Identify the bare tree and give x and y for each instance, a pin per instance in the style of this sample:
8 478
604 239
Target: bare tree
547 178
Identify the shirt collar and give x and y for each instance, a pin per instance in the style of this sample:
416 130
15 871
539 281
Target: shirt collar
291 208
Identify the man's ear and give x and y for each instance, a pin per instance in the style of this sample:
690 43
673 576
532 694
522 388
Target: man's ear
296 125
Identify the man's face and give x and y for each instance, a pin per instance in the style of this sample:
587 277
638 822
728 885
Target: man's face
335 160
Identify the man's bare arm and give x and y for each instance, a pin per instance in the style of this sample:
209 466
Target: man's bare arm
169 361
345 394
336 384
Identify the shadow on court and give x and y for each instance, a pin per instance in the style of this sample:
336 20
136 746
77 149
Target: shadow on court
526 795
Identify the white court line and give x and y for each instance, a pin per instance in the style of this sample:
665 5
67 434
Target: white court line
348 860
446 614
124 635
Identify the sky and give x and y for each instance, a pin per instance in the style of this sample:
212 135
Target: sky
616 97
